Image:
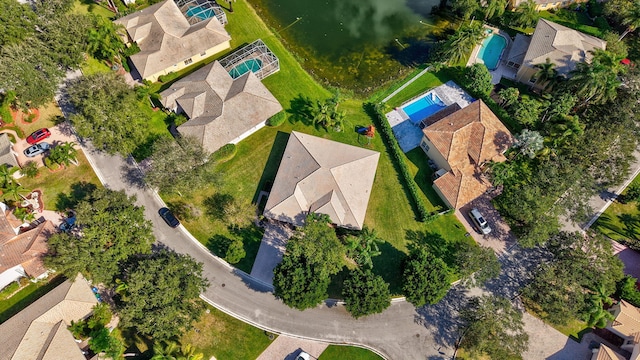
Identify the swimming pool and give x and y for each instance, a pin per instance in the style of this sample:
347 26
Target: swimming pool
247 65
423 107
491 50
203 13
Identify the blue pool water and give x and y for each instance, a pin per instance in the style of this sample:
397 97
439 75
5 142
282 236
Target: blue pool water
245 66
201 12
423 107
491 50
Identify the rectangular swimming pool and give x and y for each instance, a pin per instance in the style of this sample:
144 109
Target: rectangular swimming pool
423 107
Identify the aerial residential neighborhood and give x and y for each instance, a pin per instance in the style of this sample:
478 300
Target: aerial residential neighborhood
203 179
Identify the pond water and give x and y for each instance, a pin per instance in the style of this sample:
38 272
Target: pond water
356 44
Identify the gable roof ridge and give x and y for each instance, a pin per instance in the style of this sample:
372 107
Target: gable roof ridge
34 233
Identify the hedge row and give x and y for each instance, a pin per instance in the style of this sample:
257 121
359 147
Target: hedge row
398 158
224 154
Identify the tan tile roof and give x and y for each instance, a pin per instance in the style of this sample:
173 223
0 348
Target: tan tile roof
166 38
40 330
322 176
605 353
627 322
563 46
6 155
219 108
25 249
467 139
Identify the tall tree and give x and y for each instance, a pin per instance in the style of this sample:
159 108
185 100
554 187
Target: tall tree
112 229
508 96
526 14
546 75
116 130
477 80
64 153
179 165
460 44
17 22
425 278
631 18
476 264
163 294
365 293
597 82
494 8
465 8
363 247
492 327
529 142
103 40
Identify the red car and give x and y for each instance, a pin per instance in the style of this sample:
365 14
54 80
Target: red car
38 136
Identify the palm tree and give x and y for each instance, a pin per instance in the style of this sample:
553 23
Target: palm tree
322 114
597 316
166 350
508 96
631 19
364 247
546 75
463 41
64 153
14 191
494 8
6 174
526 14
103 41
594 83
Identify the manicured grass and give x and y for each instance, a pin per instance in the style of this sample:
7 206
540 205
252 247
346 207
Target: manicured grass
220 335
93 66
621 220
58 188
336 352
425 82
573 19
419 166
49 114
26 296
574 329
88 6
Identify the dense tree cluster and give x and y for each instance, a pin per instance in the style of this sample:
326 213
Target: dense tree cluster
575 283
425 278
117 129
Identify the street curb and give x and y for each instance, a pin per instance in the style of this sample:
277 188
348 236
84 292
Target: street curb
265 328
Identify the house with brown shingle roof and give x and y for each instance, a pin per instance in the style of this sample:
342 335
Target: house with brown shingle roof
21 252
606 353
40 330
564 47
168 42
322 176
460 144
220 109
626 325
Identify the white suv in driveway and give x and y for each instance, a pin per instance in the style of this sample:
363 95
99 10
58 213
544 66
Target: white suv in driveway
303 356
479 221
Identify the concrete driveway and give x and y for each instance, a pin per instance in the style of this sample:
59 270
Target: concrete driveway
288 348
500 238
59 135
271 251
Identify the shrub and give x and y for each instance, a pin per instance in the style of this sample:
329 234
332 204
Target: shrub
477 79
235 251
51 164
397 157
277 119
184 211
225 153
627 290
166 77
30 169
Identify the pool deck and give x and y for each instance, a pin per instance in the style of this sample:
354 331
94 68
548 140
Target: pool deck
497 73
409 134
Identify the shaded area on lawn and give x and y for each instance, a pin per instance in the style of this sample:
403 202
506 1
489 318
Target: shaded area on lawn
26 297
337 352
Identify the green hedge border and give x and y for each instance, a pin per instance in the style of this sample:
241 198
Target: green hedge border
398 159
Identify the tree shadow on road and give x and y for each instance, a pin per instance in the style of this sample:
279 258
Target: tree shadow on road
442 318
132 174
518 267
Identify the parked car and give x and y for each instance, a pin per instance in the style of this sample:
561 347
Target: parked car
69 222
168 217
36 149
479 221
303 356
38 136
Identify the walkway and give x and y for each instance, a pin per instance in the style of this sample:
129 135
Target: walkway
288 348
390 96
400 332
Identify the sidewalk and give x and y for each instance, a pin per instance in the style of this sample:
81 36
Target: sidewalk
287 348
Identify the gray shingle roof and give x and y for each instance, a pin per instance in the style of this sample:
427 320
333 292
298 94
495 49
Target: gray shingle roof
40 329
166 38
6 155
563 46
322 176
220 109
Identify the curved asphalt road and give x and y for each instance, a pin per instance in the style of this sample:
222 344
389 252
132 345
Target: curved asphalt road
398 333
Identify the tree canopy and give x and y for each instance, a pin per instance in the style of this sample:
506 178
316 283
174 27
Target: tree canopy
111 229
162 294
116 129
425 278
365 293
492 327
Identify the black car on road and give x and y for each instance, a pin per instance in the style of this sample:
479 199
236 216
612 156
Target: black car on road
168 217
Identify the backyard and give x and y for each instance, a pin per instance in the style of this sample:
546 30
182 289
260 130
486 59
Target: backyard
13 300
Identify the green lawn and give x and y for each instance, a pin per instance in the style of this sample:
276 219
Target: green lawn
425 82
621 220
59 188
220 335
88 6
26 296
573 19
337 352
93 66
